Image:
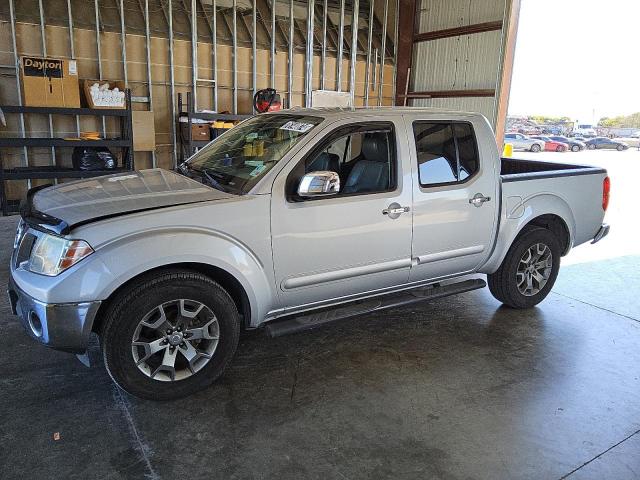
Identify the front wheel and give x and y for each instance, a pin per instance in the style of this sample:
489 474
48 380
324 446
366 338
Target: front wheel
591 147
559 148
169 334
529 269
575 148
535 148
620 148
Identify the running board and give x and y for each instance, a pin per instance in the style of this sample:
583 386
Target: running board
278 328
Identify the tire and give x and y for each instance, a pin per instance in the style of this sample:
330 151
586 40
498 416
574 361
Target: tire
575 148
559 148
591 146
535 148
503 284
620 148
183 297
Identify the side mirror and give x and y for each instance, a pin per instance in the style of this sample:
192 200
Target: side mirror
319 184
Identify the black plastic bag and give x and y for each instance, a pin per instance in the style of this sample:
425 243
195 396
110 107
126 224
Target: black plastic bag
93 158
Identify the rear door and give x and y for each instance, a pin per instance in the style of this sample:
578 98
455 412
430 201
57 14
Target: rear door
344 245
455 198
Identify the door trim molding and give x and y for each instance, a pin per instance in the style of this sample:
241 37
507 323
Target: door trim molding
460 252
345 273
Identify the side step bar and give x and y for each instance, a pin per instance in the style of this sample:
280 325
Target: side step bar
309 321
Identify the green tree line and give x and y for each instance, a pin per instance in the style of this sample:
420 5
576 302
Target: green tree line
622 121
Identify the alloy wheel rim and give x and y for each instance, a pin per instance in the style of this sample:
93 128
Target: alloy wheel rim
534 269
175 340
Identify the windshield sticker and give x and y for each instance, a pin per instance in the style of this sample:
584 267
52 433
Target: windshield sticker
254 163
297 126
257 171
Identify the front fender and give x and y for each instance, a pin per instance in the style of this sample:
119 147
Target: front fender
517 213
125 257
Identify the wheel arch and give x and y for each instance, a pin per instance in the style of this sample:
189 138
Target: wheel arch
228 281
546 211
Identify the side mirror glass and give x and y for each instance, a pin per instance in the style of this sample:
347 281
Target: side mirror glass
319 184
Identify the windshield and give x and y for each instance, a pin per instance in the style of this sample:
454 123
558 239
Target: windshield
237 160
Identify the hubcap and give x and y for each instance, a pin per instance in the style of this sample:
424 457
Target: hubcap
534 269
175 340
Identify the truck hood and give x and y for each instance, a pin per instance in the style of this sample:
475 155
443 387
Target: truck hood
60 208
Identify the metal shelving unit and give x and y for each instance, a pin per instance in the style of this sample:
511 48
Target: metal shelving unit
124 142
188 146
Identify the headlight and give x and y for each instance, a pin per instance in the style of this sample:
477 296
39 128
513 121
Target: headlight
52 255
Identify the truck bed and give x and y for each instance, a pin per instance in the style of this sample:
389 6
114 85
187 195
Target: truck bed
514 170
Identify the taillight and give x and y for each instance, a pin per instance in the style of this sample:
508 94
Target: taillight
606 188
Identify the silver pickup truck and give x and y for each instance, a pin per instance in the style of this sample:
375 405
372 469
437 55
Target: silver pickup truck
289 221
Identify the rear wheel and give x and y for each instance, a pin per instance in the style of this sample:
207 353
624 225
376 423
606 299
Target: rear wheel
591 146
575 148
529 270
535 147
559 148
169 335
620 148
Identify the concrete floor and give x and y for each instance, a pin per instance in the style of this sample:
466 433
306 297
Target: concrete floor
459 388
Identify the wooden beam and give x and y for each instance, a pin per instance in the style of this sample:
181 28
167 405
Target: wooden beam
407 18
479 92
504 81
457 31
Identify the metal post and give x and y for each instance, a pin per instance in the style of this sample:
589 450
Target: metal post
323 59
354 50
383 50
44 54
309 60
254 48
340 48
395 49
374 75
18 87
123 40
367 73
214 52
194 54
235 56
99 57
147 35
172 81
273 43
290 74
72 51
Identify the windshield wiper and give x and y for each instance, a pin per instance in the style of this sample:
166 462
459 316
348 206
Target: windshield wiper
212 181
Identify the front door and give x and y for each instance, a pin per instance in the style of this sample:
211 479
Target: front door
347 244
455 199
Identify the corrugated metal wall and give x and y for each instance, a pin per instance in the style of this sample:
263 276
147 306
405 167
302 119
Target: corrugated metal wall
175 73
464 62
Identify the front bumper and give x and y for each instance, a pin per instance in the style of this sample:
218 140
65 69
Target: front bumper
602 232
62 326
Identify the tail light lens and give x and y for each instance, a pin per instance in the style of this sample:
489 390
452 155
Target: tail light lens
606 188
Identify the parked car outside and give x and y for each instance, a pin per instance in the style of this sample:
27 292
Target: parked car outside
575 145
524 142
631 141
551 145
604 143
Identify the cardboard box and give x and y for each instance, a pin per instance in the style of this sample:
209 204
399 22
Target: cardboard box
199 131
144 132
49 82
88 100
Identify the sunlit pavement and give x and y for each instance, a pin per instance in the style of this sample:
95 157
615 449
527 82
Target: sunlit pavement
606 274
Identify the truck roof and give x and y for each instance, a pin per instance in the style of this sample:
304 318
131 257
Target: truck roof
327 112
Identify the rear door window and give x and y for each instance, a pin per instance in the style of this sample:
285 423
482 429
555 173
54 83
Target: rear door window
446 152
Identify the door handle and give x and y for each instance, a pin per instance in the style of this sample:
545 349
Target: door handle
393 210
478 199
